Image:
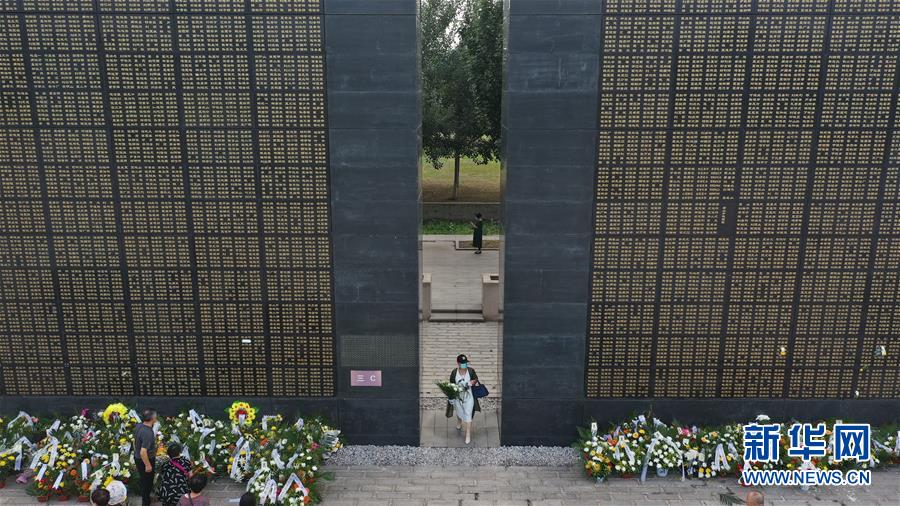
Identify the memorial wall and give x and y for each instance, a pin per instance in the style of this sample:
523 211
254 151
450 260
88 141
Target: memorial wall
188 205
702 204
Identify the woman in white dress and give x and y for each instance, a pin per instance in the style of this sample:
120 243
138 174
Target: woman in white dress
466 405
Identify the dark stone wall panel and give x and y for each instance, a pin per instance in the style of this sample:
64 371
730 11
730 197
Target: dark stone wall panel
374 137
641 212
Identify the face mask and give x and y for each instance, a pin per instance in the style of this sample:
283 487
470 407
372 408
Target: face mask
463 366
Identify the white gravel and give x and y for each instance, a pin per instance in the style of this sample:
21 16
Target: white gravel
488 404
368 455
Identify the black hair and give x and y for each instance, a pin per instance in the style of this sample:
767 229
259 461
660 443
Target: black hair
461 358
147 414
100 497
173 450
197 483
478 215
248 499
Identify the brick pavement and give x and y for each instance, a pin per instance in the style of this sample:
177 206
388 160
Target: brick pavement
441 342
539 486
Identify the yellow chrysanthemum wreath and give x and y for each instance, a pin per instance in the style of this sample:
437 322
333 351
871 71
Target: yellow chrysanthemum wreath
117 409
241 408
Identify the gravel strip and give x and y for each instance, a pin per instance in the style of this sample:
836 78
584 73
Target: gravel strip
368 455
487 404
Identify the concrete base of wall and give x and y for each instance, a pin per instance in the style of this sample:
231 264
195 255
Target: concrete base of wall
556 425
460 211
362 421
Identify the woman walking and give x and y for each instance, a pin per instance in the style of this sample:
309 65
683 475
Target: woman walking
466 405
477 232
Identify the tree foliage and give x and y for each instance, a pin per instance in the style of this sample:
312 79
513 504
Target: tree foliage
462 44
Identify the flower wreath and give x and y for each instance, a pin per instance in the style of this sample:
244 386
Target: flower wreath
241 410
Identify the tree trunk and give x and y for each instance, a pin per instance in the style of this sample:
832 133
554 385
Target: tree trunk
455 177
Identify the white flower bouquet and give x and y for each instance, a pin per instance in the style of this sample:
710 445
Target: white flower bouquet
451 390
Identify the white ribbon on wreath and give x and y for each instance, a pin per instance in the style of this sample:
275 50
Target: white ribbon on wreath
269 492
24 415
84 469
114 464
133 414
265 421
19 449
897 445
628 452
299 424
195 418
58 481
720 460
256 474
203 433
50 450
287 487
276 459
241 460
649 454
40 473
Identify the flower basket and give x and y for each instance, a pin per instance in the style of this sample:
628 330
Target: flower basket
43 498
662 472
600 479
2 483
84 498
62 498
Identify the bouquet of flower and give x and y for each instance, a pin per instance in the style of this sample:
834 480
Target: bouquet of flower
627 450
886 444
596 454
274 485
12 431
451 390
204 441
666 452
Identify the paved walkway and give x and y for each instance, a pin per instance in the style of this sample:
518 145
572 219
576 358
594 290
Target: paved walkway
438 431
539 486
455 275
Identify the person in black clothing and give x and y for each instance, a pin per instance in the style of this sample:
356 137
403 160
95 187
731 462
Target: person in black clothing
477 232
145 453
174 476
248 499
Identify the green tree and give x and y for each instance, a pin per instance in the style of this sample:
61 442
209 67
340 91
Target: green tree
481 38
457 113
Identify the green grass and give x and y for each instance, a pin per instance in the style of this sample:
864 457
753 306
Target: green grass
477 183
447 227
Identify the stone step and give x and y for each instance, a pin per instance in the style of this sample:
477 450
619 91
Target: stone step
456 317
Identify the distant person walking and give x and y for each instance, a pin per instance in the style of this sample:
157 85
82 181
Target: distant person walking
466 405
145 453
477 233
